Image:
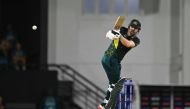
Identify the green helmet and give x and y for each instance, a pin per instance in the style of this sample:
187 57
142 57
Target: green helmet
135 23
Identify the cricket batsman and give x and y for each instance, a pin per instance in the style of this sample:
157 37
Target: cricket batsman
111 60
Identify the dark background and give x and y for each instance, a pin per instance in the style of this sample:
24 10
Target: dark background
22 14
29 85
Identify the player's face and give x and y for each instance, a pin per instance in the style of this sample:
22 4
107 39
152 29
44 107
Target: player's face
132 30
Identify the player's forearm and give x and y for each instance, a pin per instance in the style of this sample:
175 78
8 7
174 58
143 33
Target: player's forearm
126 42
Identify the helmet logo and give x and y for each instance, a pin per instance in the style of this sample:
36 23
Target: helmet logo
135 23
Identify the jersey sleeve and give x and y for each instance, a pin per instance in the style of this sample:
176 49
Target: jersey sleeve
123 30
136 40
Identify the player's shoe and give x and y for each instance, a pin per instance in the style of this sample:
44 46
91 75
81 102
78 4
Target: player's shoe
114 93
101 107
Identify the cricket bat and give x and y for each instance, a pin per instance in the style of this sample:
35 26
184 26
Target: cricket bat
118 24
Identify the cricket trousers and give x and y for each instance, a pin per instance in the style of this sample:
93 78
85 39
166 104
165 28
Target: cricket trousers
112 68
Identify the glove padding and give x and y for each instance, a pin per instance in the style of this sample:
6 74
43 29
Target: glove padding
112 34
115 32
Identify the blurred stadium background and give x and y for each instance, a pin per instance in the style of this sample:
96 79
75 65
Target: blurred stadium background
53 48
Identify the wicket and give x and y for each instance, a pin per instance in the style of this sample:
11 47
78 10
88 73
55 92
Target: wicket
127 99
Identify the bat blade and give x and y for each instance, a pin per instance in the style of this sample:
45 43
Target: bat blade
119 22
